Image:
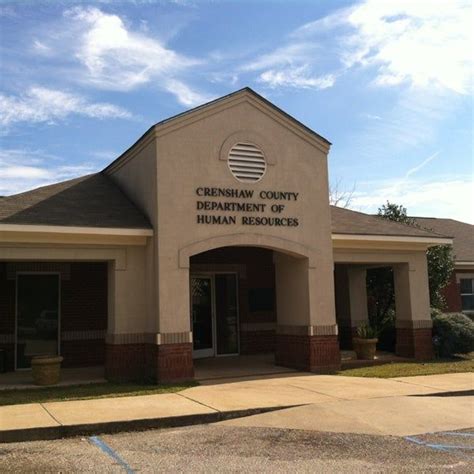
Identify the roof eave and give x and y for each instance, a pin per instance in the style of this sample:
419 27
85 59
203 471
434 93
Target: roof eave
398 239
76 230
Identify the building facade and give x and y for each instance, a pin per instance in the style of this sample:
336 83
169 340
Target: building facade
459 293
212 235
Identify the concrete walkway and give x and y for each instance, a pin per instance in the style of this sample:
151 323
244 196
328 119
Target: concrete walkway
401 406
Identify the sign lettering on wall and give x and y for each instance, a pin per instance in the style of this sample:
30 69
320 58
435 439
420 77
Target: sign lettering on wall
270 210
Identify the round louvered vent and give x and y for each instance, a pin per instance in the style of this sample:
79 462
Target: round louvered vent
247 162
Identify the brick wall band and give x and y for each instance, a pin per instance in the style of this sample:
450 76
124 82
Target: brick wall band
83 309
163 363
125 362
257 342
415 343
318 354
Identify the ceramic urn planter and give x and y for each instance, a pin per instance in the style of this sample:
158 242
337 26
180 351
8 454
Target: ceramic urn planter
46 369
364 348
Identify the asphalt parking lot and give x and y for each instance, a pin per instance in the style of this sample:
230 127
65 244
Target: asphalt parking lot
218 448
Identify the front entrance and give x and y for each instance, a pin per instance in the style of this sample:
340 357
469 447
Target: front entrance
37 317
214 314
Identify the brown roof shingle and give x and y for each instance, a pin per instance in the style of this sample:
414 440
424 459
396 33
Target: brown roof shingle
95 201
345 221
462 233
89 201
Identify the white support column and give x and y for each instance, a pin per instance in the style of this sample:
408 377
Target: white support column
412 306
357 295
306 329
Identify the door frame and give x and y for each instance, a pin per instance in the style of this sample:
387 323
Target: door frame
17 274
207 353
203 353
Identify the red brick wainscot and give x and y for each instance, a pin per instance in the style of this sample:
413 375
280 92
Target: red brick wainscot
144 360
415 339
83 309
309 352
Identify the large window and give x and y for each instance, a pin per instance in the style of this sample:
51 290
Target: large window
467 294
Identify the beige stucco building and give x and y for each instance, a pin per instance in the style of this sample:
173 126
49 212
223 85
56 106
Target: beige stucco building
211 235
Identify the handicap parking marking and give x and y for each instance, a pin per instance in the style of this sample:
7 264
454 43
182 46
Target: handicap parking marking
453 433
103 446
458 449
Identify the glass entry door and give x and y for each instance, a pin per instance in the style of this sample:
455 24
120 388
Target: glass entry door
214 314
202 315
227 314
37 317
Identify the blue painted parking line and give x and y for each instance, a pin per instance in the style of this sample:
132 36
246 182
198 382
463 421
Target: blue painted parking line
412 439
447 448
110 452
467 435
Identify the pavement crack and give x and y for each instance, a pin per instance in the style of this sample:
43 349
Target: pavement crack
319 393
50 414
440 390
197 401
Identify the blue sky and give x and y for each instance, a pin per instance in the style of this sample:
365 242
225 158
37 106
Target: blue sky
389 83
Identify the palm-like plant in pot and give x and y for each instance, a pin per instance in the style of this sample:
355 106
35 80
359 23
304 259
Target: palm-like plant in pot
365 342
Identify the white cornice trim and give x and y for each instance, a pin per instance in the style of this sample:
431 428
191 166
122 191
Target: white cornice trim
464 264
392 238
56 229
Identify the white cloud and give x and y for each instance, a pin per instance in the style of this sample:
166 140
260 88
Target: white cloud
296 77
40 104
406 41
22 169
450 197
186 95
412 42
116 57
421 165
290 54
41 48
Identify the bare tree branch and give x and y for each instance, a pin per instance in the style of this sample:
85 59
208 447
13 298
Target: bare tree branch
340 197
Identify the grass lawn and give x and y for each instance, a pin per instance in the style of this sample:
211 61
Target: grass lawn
407 369
87 391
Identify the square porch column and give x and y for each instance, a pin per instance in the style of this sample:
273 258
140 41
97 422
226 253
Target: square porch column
127 337
412 306
172 352
306 336
357 278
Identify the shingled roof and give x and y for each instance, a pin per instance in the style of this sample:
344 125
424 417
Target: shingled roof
95 201
462 233
90 201
345 221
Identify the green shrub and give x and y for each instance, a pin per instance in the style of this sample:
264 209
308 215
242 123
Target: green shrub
453 334
366 331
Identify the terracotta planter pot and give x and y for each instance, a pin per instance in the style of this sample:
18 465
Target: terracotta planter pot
364 348
46 369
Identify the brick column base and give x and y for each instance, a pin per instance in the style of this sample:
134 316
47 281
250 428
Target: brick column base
174 362
125 362
310 353
155 363
415 343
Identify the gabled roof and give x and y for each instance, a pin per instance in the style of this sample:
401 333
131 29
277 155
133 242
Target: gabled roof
346 221
90 201
246 91
462 233
96 201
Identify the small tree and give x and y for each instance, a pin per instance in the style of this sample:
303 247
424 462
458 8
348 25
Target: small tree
440 257
440 267
394 212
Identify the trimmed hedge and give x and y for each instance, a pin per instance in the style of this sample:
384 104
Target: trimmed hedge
453 333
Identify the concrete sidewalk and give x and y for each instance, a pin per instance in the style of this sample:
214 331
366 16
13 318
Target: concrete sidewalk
406 405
